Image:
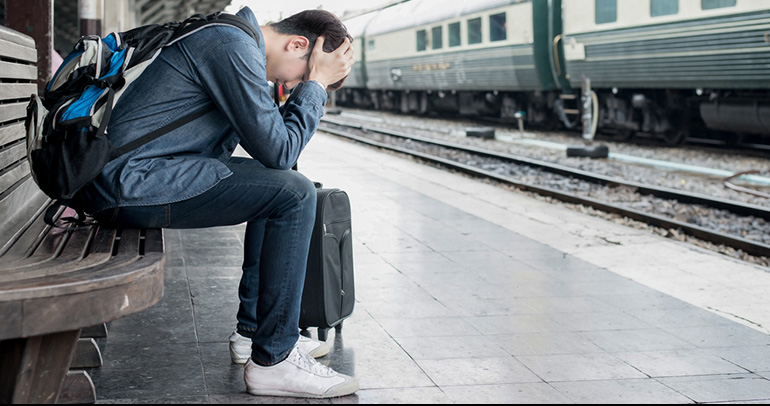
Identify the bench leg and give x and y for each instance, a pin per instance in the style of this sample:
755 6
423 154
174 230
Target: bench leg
33 369
87 354
78 388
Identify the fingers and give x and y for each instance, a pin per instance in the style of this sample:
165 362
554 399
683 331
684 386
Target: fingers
333 66
349 55
319 44
346 47
349 63
345 56
346 52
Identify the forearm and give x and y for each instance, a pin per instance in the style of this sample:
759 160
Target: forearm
300 116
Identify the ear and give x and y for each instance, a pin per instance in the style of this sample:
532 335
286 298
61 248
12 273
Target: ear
298 43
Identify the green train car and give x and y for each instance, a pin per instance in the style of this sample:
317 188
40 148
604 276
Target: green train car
664 68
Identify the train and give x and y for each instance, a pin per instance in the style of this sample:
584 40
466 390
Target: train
662 68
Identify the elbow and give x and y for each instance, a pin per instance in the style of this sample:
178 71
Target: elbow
285 166
282 155
280 162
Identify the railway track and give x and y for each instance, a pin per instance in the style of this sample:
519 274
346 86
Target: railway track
741 226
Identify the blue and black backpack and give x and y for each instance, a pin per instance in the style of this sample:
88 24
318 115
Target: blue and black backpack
67 143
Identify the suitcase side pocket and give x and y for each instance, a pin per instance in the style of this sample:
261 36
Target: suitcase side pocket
348 281
332 265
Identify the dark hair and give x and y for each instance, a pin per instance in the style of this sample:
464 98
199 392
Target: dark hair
314 23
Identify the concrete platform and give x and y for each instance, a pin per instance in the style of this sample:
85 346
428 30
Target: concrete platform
468 293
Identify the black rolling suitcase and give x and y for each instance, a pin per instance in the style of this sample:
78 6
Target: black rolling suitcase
329 292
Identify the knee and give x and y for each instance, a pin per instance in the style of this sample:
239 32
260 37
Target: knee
302 188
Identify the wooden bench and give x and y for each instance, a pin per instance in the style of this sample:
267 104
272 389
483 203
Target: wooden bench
54 282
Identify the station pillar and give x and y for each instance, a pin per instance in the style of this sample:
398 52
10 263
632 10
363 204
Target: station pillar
35 18
89 15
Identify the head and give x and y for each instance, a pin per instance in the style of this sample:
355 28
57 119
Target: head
303 29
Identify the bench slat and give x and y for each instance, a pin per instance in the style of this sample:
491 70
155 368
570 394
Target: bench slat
55 252
17 51
41 262
15 91
128 244
13 175
57 259
12 132
12 111
154 241
15 37
31 237
18 207
12 154
10 70
103 242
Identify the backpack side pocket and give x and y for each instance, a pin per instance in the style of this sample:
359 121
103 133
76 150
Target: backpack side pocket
33 124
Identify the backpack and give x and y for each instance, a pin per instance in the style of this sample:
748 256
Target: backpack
67 145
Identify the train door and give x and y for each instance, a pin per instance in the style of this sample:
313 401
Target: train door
549 54
556 28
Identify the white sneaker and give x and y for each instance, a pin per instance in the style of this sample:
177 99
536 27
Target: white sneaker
240 347
299 375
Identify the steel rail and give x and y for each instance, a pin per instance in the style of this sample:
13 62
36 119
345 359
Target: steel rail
742 209
750 247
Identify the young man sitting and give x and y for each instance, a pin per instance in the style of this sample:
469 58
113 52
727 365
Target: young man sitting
188 178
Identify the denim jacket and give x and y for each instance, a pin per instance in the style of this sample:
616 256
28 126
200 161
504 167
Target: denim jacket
220 65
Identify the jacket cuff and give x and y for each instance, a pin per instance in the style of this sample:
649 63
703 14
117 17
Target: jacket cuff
315 92
317 83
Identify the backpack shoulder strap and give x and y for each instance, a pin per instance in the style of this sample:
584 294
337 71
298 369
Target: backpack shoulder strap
160 131
195 23
241 23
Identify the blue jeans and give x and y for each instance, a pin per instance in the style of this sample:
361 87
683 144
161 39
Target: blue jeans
279 208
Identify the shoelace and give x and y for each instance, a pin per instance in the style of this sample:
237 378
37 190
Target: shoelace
309 363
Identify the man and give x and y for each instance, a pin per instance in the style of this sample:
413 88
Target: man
188 178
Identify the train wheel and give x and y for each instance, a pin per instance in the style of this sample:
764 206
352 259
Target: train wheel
675 137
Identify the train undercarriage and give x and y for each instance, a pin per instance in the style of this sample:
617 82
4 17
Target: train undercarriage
671 116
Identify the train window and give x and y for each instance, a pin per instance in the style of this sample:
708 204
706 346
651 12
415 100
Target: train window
371 45
663 7
422 40
454 35
497 27
474 31
437 37
709 4
606 11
